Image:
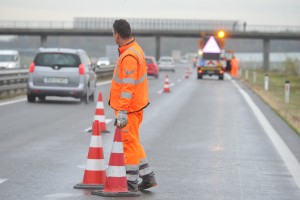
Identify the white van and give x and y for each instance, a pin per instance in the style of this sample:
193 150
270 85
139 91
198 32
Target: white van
9 59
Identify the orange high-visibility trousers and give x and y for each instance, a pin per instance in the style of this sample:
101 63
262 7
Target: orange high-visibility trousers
234 71
133 150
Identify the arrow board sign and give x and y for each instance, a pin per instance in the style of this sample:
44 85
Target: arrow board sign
211 46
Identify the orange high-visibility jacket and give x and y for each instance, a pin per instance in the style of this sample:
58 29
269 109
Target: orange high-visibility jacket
234 63
129 87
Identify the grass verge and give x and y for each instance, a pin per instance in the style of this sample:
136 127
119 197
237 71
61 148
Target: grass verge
274 96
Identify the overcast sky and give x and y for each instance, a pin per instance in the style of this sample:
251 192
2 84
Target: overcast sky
254 12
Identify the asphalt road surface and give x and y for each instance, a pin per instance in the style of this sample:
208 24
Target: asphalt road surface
206 139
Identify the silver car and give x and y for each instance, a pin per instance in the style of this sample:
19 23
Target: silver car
61 72
166 63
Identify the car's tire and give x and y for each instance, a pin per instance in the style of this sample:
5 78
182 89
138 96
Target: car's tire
221 77
31 98
92 97
85 98
199 76
42 98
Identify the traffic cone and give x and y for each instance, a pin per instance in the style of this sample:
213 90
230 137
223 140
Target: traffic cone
94 174
116 181
186 73
99 114
167 85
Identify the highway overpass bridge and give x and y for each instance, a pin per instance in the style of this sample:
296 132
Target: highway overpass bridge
157 28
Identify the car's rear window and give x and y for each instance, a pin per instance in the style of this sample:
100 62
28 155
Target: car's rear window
166 60
59 59
149 61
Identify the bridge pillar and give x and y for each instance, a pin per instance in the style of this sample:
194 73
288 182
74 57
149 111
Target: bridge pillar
157 46
266 55
43 40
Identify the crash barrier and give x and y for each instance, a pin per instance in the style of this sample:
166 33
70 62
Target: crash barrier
277 90
15 80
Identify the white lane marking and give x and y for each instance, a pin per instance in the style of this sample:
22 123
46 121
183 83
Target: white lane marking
283 150
62 195
13 101
104 83
179 80
3 180
24 99
81 166
107 121
84 166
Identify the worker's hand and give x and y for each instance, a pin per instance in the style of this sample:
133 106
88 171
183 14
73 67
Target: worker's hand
122 119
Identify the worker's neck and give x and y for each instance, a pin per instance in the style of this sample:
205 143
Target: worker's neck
125 42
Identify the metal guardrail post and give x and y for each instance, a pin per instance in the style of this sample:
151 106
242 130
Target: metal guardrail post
266 81
287 92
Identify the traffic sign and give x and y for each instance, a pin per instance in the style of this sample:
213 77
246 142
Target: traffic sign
211 46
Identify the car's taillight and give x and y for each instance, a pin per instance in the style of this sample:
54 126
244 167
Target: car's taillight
81 69
31 67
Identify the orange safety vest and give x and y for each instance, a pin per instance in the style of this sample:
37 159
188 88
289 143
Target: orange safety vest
129 87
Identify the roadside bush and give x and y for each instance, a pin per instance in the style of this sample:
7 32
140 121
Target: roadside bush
291 67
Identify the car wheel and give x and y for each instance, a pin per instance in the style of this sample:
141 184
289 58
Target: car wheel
42 98
31 98
221 77
85 97
199 76
92 97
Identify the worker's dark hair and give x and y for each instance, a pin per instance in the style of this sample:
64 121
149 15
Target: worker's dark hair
122 27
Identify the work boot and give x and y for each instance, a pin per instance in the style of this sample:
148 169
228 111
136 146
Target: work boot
133 186
147 182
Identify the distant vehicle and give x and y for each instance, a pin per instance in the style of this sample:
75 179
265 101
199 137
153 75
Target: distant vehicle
152 68
184 59
210 62
103 61
9 59
61 72
166 63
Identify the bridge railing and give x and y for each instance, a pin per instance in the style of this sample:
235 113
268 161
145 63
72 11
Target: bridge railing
148 24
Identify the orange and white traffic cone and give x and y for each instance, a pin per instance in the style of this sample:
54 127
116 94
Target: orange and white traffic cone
94 174
116 181
167 84
186 73
99 114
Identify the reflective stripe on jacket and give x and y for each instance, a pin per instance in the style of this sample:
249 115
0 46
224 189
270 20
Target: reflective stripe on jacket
129 87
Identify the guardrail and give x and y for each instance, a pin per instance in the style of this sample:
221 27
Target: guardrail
16 80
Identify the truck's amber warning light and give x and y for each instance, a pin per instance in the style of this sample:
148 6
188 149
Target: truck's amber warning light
221 34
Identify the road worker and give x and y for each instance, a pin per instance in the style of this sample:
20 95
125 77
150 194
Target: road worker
128 97
234 68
